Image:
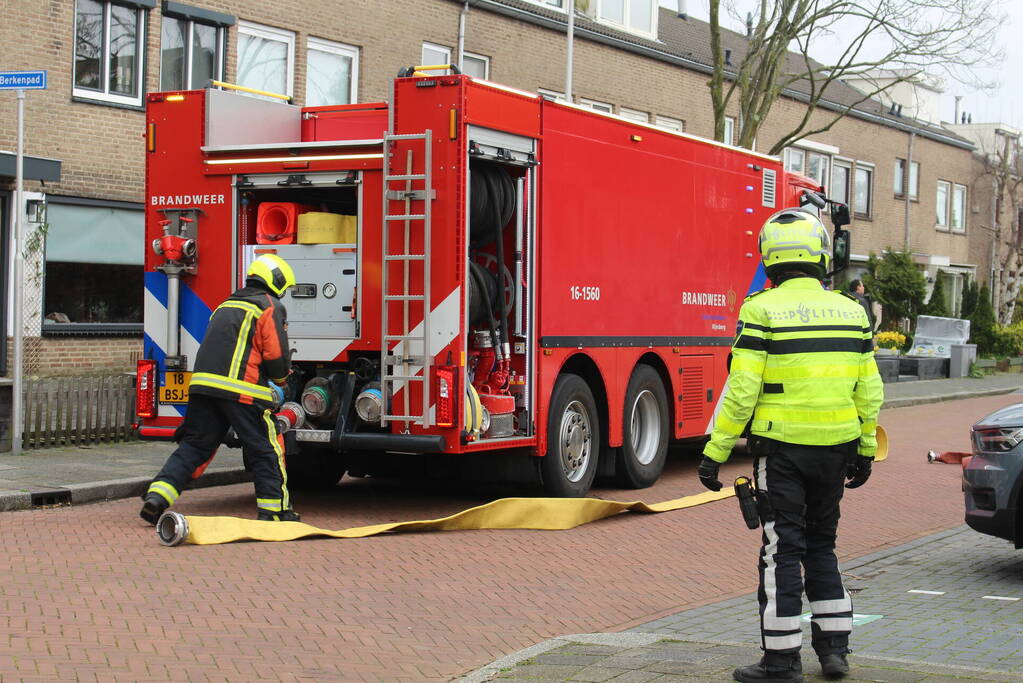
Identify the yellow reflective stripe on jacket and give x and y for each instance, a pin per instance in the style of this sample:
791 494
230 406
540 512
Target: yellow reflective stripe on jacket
252 312
235 386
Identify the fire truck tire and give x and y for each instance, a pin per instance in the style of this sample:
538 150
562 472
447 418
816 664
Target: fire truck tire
314 468
573 440
644 430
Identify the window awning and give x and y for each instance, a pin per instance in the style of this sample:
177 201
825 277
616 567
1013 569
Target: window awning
35 168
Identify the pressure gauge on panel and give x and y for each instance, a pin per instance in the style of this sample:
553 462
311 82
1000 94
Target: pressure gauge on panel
329 290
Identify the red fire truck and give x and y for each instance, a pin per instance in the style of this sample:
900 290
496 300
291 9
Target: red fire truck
482 273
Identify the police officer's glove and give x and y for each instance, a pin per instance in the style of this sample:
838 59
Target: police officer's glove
708 473
857 471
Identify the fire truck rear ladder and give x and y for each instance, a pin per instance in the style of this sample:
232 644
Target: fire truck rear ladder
398 366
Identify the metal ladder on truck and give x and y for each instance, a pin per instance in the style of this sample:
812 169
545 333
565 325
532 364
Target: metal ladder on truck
398 366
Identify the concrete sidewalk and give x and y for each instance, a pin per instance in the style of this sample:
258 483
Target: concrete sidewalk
102 472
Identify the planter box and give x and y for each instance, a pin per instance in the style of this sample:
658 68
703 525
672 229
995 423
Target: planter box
888 366
924 368
986 363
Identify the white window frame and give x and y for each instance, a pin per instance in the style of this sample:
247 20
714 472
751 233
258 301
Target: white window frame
634 115
104 95
790 154
221 48
669 123
729 130
335 48
945 206
910 178
870 189
626 7
596 105
482 58
957 188
434 46
280 35
549 4
847 164
552 94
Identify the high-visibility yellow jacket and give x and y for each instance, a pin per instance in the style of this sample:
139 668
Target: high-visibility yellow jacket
803 369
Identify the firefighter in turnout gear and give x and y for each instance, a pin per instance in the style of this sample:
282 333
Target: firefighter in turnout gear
246 344
803 378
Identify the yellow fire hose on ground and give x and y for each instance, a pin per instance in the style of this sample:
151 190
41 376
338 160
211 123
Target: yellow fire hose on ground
174 528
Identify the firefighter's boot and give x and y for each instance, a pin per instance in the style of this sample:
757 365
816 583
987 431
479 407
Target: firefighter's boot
834 665
153 505
772 668
288 515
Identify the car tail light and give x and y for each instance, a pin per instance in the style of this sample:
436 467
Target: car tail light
145 389
997 440
445 394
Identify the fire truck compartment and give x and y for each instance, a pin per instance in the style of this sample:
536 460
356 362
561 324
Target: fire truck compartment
324 303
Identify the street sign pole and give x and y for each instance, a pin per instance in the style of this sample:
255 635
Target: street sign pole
20 81
18 399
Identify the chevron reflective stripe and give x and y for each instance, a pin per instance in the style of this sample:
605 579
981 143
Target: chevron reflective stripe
270 504
165 490
236 386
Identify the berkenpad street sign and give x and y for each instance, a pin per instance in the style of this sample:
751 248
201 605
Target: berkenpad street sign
22 80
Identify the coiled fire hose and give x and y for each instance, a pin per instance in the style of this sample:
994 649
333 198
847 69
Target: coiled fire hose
550 514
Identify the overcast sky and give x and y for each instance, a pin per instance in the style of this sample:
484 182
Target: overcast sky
1004 105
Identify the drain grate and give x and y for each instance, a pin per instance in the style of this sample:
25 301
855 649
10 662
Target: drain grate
44 497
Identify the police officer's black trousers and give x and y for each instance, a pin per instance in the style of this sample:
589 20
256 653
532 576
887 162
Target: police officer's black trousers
203 430
799 489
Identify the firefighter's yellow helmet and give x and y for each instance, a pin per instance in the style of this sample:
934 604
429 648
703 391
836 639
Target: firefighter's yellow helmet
272 271
795 239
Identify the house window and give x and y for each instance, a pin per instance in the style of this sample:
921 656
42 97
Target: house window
637 15
863 191
676 125
729 130
94 255
958 208
817 167
634 115
551 95
109 52
597 106
795 159
191 52
434 55
266 58
841 172
475 65
941 205
332 75
899 181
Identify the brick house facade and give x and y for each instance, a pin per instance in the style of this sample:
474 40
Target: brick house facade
91 120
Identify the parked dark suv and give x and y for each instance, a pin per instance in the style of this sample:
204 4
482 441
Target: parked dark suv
993 478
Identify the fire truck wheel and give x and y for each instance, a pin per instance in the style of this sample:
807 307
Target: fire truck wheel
314 468
644 430
573 440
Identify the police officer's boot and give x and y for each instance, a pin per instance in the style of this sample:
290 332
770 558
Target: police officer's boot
153 505
834 665
288 515
772 668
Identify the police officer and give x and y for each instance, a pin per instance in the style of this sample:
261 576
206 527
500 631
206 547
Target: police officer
803 378
246 344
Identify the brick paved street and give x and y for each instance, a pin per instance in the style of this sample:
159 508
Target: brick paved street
86 593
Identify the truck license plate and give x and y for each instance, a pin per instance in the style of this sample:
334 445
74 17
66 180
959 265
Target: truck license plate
175 387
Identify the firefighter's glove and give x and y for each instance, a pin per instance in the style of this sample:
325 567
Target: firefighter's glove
708 472
857 471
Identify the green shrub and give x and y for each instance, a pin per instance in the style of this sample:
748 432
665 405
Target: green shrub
970 296
1007 341
937 306
895 281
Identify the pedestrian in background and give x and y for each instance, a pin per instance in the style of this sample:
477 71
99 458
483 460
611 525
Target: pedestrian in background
859 292
803 378
246 343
